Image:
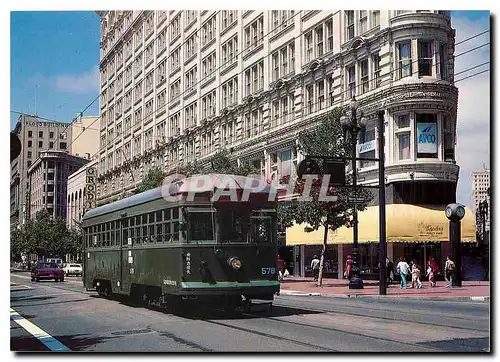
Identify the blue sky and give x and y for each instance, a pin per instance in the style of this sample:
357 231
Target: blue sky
56 54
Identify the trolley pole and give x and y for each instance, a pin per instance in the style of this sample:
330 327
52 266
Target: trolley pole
381 206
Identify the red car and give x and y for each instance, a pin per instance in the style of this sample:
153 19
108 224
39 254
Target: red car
44 270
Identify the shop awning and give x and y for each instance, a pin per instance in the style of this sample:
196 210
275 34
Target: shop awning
405 223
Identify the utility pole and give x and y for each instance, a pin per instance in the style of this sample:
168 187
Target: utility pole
381 205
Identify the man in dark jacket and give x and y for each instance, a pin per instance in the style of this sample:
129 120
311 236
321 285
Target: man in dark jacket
389 270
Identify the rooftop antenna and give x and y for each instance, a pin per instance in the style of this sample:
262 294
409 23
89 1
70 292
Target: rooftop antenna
36 89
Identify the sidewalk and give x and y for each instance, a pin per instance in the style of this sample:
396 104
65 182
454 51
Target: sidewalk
470 290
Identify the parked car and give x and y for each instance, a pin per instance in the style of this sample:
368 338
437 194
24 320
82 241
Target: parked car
45 270
72 269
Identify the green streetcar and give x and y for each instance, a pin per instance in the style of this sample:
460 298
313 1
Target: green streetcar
186 243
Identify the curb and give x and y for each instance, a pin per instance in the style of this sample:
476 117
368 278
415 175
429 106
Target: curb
484 299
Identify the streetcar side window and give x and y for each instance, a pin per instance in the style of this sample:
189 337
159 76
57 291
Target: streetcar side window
137 230
145 234
159 232
126 231
99 235
112 233
108 235
117 233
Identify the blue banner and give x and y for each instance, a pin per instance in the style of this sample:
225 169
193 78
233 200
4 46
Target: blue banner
427 137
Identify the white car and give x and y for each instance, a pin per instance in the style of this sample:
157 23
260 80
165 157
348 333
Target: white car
72 269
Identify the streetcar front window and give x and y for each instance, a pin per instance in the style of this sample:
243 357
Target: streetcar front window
201 227
233 225
261 230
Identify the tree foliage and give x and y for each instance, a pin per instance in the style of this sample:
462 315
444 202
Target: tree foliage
222 162
46 236
328 139
153 179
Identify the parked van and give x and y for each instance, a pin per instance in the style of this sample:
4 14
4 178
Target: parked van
58 261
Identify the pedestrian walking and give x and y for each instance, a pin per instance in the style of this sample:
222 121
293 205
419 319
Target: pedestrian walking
389 265
348 266
449 270
415 276
430 275
315 267
403 269
280 265
432 270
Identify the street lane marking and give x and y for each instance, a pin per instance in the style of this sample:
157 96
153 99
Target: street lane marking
50 342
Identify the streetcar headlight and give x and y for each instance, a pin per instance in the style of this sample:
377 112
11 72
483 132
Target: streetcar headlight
235 263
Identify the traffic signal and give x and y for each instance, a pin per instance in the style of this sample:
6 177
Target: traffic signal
308 166
334 168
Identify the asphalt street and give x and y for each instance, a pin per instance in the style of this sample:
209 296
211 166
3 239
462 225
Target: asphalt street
64 316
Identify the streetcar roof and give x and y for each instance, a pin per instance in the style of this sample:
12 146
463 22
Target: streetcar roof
133 200
184 186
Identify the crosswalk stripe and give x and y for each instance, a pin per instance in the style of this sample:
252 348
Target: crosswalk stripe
50 342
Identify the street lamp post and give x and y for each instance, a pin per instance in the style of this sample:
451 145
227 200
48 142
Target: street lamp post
483 212
353 125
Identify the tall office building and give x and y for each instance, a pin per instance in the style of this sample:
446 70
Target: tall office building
37 135
177 86
480 187
48 181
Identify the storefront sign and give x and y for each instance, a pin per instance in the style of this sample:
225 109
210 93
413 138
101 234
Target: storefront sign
90 188
418 95
430 230
366 147
427 137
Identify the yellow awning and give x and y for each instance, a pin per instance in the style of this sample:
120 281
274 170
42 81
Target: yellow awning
404 223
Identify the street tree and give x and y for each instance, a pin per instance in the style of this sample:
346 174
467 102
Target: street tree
327 139
223 163
153 179
44 236
189 169
16 245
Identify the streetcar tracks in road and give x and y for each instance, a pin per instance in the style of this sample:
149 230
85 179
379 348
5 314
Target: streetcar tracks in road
264 334
394 319
414 312
339 330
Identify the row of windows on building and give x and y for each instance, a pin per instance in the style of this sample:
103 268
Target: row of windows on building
317 43
282 112
62 136
360 78
253 32
357 22
62 146
228 55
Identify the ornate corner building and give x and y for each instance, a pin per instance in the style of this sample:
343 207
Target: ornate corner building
177 86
